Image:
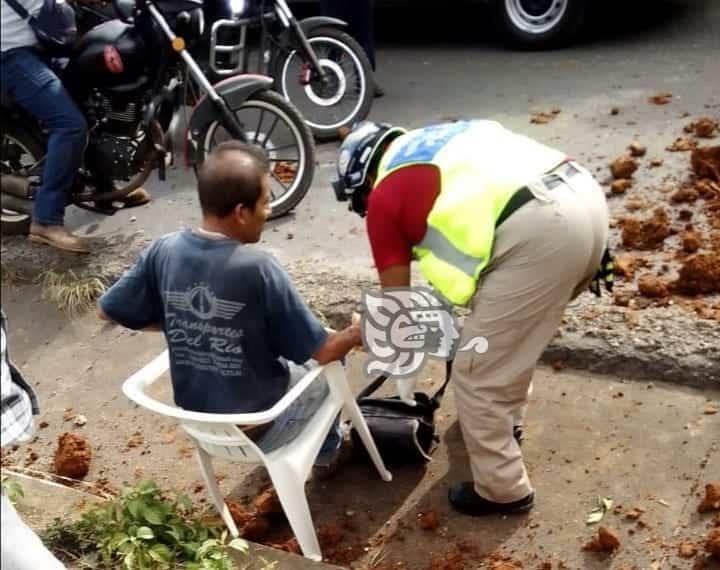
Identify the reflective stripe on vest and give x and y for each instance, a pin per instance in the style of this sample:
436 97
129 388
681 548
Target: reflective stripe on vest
481 166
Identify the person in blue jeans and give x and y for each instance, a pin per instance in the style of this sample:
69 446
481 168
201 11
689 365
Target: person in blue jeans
26 76
238 333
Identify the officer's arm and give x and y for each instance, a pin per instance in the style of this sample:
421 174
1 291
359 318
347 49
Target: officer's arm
395 276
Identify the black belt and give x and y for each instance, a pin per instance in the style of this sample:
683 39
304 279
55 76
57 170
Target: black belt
524 195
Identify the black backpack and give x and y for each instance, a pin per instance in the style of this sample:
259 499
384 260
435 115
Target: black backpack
54 26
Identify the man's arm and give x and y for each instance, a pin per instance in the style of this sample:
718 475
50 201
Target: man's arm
395 276
153 327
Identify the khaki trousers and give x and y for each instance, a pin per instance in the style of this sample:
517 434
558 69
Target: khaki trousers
546 253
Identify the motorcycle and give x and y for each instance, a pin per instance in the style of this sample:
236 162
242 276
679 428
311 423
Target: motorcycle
129 76
316 65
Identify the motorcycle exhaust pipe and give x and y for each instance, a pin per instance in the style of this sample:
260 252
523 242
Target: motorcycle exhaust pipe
15 204
17 186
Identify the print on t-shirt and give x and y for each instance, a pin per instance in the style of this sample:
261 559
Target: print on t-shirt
197 336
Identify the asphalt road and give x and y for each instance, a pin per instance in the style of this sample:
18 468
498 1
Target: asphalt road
453 65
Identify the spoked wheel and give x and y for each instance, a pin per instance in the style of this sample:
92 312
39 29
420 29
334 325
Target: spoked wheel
19 156
274 125
347 94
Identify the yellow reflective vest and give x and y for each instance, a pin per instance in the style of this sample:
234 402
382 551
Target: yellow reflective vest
481 166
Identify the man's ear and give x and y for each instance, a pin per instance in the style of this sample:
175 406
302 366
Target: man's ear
241 214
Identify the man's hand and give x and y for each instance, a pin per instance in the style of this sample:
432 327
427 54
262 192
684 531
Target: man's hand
339 344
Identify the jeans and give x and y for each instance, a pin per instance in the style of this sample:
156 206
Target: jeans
21 548
36 88
290 423
359 15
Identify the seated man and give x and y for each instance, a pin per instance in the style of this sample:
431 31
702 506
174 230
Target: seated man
238 333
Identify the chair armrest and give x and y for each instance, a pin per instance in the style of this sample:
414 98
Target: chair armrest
134 389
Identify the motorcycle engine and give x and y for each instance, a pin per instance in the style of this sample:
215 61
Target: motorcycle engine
116 142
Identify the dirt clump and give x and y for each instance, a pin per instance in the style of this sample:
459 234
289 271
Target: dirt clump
682 144
637 149
711 502
704 128
623 167
72 457
505 566
621 186
712 546
699 275
656 162
290 545
634 514
687 550
660 99
705 162
542 117
267 503
691 241
626 264
652 287
429 520
646 234
686 195
606 541
329 536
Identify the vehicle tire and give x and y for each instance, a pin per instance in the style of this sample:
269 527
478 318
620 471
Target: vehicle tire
33 149
329 108
540 24
298 133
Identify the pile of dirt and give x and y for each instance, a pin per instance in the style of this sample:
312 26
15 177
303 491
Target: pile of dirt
606 540
687 550
72 456
699 275
646 234
252 526
691 241
711 502
429 520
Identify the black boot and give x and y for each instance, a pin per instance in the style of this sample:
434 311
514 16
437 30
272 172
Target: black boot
464 499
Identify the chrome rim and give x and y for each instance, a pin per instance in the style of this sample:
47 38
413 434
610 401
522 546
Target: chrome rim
347 77
536 16
278 144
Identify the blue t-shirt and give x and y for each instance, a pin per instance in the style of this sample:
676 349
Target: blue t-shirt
230 314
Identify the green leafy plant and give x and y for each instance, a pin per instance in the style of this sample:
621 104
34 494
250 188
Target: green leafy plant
12 489
143 529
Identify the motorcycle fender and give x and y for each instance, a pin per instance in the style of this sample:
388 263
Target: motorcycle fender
307 25
235 90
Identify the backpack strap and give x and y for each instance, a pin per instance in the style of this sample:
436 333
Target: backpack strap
19 9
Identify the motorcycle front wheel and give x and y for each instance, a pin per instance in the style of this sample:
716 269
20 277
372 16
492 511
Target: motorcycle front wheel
346 96
276 126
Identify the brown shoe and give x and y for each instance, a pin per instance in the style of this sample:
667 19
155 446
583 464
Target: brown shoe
59 237
136 198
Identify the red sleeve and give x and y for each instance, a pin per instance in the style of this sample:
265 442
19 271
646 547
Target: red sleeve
397 213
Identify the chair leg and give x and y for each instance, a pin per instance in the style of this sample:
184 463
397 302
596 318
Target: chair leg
358 422
290 489
214 490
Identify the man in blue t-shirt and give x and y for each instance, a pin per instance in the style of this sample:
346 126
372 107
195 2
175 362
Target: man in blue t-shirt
238 333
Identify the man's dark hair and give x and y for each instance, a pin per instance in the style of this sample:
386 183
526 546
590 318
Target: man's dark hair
231 175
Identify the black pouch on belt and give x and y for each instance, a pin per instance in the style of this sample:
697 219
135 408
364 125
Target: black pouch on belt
403 434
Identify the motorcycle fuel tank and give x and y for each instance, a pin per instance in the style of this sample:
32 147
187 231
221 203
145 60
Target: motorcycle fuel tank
111 55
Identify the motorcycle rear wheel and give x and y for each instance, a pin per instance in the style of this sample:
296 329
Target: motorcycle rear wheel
325 107
298 170
11 221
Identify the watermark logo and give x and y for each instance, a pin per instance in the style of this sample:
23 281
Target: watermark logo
402 328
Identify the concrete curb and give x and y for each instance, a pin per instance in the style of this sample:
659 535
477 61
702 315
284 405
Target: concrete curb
46 500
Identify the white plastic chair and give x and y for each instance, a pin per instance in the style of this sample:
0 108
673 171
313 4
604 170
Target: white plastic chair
217 435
